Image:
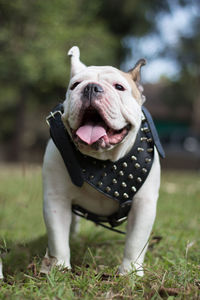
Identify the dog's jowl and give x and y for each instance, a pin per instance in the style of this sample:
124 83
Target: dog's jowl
101 162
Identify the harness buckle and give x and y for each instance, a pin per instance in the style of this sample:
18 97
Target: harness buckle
80 213
52 115
116 222
121 220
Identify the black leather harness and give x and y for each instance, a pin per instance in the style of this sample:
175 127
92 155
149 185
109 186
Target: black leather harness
118 180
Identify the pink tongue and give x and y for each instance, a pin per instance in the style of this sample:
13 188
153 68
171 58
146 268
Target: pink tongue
90 132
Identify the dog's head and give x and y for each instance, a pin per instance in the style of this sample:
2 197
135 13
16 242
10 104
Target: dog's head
102 110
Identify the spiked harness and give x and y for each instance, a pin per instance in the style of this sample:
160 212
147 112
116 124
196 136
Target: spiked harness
118 180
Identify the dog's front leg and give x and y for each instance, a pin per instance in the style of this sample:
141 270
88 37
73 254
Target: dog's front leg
56 209
57 216
140 222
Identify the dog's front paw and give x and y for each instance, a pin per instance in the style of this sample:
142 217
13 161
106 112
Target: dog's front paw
49 262
129 267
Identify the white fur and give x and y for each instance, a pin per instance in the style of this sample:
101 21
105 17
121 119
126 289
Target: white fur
76 65
60 193
119 108
1 269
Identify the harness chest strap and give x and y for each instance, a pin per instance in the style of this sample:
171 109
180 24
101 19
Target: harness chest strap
119 180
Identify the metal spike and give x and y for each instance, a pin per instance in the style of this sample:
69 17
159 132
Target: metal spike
114 180
125 195
149 140
147 160
84 170
108 189
137 165
124 184
143 139
130 176
121 173
139 179
104 174
124 165
91 176
140 149
100 183
144 170
150 150
133 157
114 167
143 119
116 194
145 129
133 188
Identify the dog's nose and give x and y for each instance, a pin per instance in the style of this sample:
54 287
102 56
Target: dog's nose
92 90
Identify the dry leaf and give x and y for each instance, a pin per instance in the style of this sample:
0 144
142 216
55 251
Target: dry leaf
164 292
47 264
32 267
197 283
155 240
169 291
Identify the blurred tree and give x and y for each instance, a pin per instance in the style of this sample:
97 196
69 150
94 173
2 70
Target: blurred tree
34 38
185 90
131 18
189 58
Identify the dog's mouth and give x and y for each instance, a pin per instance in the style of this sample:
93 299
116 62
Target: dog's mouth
94 131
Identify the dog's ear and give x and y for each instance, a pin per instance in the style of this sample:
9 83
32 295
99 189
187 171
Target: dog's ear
136 75
76 64
136 71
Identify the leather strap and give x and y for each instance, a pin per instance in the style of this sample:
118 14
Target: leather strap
77 164
62 141
154 132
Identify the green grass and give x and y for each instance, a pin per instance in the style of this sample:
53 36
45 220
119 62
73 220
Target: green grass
172 264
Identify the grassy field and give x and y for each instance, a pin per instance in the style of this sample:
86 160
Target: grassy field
172 264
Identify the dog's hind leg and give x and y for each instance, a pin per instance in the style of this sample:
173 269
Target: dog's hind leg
75 225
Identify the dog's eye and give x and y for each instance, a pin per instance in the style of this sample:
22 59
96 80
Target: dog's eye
119 87
74 85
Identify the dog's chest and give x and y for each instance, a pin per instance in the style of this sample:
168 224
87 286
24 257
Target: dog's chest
121 180
92 200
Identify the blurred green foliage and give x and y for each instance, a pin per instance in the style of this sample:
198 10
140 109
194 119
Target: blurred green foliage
185 90
34 39
35 36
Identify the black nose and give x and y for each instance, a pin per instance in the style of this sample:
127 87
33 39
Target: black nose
92 90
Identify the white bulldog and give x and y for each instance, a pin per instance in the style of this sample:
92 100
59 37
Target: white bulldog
102 114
